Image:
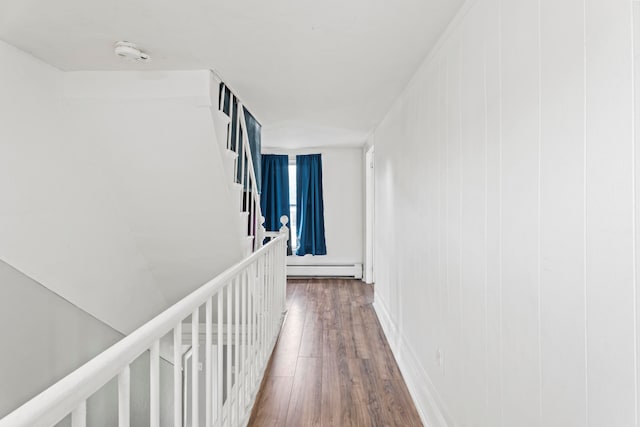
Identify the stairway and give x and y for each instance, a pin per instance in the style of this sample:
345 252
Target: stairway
118 200
233 140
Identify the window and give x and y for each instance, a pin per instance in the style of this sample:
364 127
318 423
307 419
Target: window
292 203
307 235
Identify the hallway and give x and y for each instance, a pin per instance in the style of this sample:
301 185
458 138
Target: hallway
332 365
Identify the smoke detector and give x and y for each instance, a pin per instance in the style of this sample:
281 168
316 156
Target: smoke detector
130 51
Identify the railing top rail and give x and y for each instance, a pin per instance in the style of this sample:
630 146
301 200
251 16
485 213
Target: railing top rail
53 404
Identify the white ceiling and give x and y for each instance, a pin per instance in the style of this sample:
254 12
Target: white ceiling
314 73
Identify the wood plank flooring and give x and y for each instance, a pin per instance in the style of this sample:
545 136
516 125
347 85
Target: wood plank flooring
332 365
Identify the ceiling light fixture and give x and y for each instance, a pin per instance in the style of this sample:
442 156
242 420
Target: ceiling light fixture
130 51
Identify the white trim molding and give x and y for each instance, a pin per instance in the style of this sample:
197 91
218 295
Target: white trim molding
319 270
430 406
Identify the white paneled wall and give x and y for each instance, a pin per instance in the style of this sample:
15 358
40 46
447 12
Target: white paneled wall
505 218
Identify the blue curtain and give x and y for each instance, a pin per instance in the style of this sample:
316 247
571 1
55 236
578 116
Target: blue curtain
310 214
274 200
254 131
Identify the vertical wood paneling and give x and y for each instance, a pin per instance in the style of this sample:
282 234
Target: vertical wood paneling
442 219
472 236
429 267
636 140
609 214
520 179
562 201
491 70
524 198
453 358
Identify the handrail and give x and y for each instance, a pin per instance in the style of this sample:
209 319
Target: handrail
53 404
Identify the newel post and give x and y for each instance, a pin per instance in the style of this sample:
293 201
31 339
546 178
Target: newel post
284 220
283 253
284 229
260 232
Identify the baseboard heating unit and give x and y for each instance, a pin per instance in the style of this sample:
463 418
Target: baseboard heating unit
345 270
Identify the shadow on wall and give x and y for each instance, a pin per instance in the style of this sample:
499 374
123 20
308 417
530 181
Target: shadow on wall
47 338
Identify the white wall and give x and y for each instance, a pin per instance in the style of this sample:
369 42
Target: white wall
343 191
58 222
110 197
44 338
111 185
505 240
153 140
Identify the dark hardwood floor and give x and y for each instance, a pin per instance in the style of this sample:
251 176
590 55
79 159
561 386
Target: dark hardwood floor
332 365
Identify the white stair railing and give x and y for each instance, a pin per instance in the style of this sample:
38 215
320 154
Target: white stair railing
246 302
244 171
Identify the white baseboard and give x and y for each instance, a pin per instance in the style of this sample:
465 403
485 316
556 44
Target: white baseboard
428 403
348 270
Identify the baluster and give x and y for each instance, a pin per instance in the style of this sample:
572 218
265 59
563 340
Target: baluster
244 339
262 230
275 293
177 375
230 125
275 299
258 289
195 361
241 144
256 217
256 316
124 396
220 342
250 329
283 276
278 301
154 385
246 206
237 348
229 348
237 124
250 208
258 324
243 168
262 311
272 254
254 221
283 273
245 164
208 373
256 311
267 315
223 88
79 415
267 309
282 266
